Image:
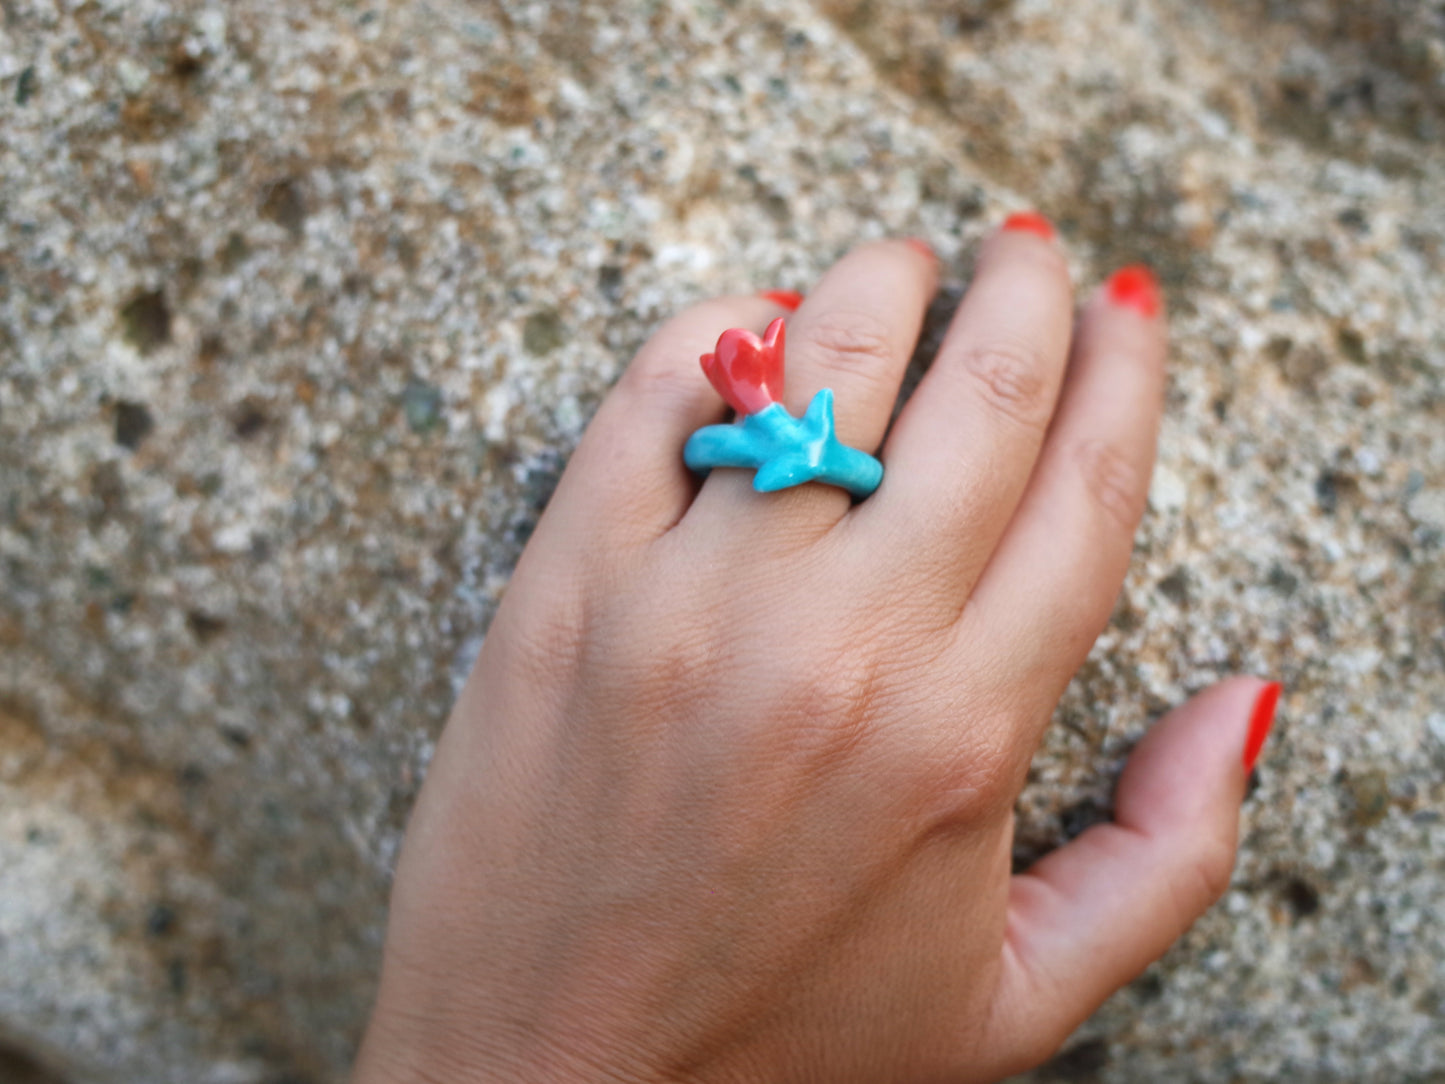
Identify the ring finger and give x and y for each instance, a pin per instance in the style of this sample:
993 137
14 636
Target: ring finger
854 334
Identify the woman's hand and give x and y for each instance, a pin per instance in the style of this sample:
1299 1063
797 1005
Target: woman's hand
728 795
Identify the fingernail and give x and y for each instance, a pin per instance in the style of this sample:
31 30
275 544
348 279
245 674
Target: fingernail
788 299
919 245
1261 722
1136 288
1030 222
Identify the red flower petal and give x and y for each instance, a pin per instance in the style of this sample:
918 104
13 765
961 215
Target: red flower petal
748 371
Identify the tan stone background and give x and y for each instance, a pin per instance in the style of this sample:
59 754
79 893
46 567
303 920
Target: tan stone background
303 305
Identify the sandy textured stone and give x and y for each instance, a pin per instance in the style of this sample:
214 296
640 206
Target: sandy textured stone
303 306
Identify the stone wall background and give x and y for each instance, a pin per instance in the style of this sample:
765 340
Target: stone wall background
302 307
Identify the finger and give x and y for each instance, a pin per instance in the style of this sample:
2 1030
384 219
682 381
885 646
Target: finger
626 482
1091 916
1050 586
854 333
964 446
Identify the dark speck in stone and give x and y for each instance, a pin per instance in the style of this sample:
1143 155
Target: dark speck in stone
133 423
1352 345
1148 987
192 775
422 404
1370 795
543 332
235 252
212 348
1331 487
203 626
249 420
161 920
1353 218
1080 816
185 66
609 282
1282 580
284 204
26 86
777 208
1082 1061
107 486
146 321
1175 587
1302 898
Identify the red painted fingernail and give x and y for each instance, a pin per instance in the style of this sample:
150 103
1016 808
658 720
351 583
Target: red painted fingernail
1136 287
1261 722
919 245
1030 222
789 299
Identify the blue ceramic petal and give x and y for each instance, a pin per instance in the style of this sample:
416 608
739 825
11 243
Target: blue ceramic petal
786 451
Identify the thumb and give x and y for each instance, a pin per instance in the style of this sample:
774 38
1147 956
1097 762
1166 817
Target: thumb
1092 915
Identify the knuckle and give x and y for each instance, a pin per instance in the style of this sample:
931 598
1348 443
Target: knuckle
659 379
969 784
1011 379
1113 480
840 709
827 719
851 342
547 640
1207 880
666 684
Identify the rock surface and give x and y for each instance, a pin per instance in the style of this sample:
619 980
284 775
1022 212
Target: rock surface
303 306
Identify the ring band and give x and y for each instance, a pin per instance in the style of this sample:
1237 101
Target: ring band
784 451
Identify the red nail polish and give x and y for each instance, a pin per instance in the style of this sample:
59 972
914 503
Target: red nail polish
1136 287
1261 722
919 245
788 299
1030 222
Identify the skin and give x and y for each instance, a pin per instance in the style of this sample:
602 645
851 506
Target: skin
728 795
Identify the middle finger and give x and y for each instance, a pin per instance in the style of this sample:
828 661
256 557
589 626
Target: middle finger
962 451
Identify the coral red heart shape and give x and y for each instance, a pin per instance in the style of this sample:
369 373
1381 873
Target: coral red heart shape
748 371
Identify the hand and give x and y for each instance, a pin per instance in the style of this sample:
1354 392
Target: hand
728 795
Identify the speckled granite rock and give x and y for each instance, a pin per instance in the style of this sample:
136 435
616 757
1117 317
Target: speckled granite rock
303 306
